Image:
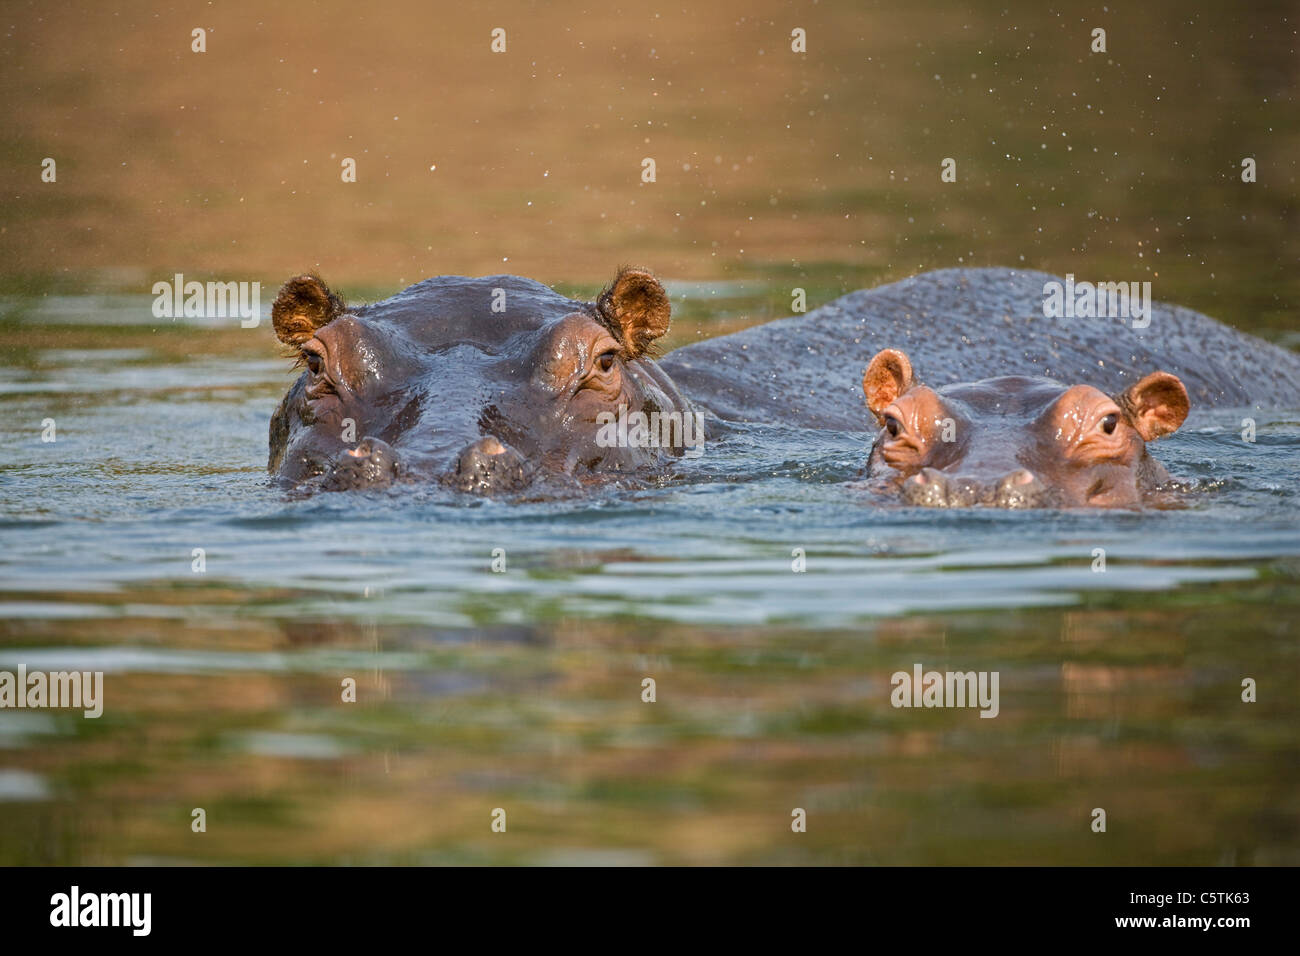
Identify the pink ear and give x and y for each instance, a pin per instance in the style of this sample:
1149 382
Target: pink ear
888 375
1156 406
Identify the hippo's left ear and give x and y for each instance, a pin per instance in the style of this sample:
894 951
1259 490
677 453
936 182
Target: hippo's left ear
887 376
1155 406
636 310
302 306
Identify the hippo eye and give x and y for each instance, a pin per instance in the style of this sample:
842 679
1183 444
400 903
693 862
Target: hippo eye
893 426
1109 422
313 362
606 360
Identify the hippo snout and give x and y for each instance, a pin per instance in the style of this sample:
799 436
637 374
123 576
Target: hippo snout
931 488
488 466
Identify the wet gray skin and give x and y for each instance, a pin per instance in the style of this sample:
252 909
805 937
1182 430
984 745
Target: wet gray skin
486 385
992 426
967 325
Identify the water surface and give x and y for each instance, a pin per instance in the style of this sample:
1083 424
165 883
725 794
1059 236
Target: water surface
522 689
1119 689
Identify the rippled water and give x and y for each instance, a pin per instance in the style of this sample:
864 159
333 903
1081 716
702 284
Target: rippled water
522 690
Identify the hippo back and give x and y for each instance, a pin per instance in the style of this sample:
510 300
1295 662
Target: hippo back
963 325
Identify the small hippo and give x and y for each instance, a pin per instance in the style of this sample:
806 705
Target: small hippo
481 384
1017 441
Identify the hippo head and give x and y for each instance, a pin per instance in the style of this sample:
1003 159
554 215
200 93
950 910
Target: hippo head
481 384
1018 442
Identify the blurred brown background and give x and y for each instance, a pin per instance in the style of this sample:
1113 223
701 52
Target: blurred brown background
771 165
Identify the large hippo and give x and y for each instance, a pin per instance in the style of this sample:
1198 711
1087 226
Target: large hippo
1026 410
482 384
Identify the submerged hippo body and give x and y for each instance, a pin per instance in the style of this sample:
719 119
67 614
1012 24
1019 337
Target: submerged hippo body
966 325
1025 411
481 384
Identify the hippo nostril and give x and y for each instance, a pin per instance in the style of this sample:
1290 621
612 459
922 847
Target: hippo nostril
1020 489
489 466
1017 479
928 488
966 492
372 464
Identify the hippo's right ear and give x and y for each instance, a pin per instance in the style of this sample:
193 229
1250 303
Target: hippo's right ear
888 375
635 308
302 306
1156 406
